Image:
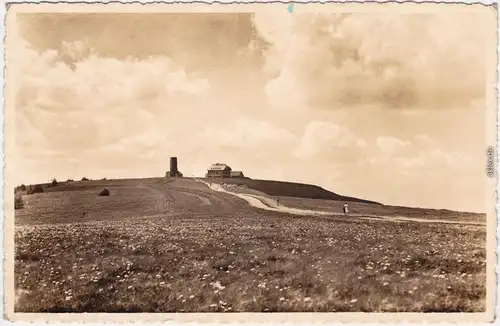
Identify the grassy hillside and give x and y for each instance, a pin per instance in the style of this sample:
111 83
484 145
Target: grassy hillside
290 189
269 187
78 201
174 245
297 195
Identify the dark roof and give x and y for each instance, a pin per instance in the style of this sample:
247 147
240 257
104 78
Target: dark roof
218 167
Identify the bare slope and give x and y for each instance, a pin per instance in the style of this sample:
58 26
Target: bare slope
333 208
290 189
310 197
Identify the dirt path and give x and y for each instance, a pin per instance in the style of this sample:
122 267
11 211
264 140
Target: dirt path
269 204
264 202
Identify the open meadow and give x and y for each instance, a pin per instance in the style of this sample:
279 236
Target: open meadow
175 245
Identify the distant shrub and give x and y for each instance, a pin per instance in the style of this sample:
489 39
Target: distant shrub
103 179
18 202
36 189
69 180
19 188
54 182
104 192
85 179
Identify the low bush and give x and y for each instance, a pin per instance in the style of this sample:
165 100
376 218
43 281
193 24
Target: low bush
104 192
19 188
36 189
18 202
85 179
54 182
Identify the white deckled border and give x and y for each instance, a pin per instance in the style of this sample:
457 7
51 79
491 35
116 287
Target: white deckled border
251 318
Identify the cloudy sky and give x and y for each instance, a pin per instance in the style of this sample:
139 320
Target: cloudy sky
384 106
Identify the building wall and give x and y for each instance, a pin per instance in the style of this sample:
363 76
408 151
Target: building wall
214 174
219 173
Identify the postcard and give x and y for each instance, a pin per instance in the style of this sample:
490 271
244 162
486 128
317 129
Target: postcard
250 162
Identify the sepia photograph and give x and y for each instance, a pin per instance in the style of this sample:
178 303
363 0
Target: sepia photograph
230 159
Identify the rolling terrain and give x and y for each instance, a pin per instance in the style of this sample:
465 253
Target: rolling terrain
168 245
290 189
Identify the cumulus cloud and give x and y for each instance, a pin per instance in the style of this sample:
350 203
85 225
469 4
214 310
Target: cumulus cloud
255 146
391 144
423 153
148 140
333 146
73 52
72 101
392 60
110 114
411 172
421 156
246 133
326 139
98 93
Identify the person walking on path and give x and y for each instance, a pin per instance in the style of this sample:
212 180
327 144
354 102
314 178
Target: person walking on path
346 210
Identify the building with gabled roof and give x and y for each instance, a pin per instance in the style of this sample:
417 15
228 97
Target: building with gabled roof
219 170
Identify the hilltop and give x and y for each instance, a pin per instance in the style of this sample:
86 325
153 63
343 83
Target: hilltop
291 194
290 189
268 187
